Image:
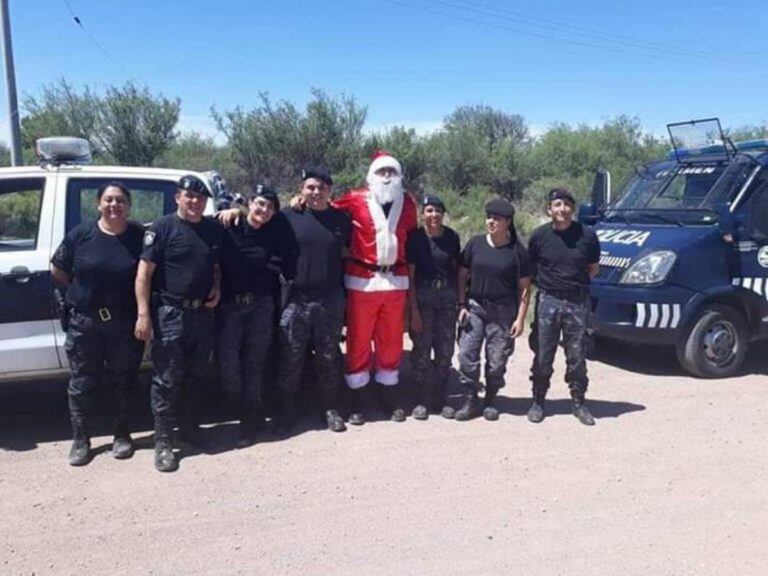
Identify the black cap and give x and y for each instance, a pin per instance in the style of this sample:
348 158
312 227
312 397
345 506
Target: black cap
500 207
561 194
432 200
192 183
261 191
316 172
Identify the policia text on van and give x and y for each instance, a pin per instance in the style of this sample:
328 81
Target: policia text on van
684 258
38 206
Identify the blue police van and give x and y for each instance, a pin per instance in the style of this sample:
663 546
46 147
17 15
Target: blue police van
684 250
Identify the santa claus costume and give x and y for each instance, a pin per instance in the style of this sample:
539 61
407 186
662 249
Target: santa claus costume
376 278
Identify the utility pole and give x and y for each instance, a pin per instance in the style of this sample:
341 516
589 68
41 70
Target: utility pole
10 84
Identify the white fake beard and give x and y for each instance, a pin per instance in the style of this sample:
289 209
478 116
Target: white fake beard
385 190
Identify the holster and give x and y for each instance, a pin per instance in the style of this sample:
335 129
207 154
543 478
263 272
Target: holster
62 308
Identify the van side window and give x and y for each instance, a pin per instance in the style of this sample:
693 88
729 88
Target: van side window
150 199
757 215
20 202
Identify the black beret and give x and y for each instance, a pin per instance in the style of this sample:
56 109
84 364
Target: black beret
261 191
500 207
561 194
316 172
432 200
192 183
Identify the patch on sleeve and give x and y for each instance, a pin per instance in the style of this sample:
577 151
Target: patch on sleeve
149 238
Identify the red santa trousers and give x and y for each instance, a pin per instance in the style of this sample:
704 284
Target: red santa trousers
376 316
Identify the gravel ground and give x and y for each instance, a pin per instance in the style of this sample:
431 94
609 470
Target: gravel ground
671 480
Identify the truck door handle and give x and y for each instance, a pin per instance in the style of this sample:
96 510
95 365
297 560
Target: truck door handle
20 274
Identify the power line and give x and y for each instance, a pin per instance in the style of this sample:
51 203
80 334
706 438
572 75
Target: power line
92 38
560 26
595 43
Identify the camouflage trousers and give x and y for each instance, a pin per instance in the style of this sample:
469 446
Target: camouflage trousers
101 352
309 323
181 355
553 317
489 322
246 334
437 308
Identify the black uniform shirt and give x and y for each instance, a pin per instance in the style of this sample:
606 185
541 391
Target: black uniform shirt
321 235
102 266
495 271
433 257
560 258
250 256
185 254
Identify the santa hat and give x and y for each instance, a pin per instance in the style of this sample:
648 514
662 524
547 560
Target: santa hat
382 159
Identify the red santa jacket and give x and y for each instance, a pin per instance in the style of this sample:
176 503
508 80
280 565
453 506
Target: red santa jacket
377 241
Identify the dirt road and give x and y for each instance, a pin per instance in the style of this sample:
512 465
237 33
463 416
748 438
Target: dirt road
673 479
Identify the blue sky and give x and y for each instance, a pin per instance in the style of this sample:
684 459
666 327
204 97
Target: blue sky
413 61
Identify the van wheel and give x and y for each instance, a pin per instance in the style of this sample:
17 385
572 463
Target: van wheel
716 344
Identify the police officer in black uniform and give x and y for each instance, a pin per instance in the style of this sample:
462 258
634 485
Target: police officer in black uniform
247 308
177 288
313 316
497 267
565 255
97 262
433 254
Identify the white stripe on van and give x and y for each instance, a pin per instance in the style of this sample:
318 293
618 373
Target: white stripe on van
664 316
640 315
757 286
675 315
654 316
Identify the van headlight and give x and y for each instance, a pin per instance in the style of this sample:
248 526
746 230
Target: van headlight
650 269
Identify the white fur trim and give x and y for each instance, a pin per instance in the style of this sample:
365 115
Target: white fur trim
386 228
379 282
384 162
387 377
357 380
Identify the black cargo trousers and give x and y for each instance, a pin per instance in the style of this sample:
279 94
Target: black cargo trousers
312 320
437 308
101 349
181 356
559 313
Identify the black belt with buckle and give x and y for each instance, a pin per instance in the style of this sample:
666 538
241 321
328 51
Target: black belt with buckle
576 295
244 299
105 314
436 283
376 268
191 303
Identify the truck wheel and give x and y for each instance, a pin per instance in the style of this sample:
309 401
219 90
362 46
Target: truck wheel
716 343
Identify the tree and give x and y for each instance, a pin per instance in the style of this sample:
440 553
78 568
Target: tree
127 125
273 140
134 126
494 126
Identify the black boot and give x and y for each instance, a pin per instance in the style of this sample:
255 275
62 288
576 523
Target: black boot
165 459
420 410
80 453
122 443
286 420
438 402
334 421
536 412
357 403
580 410
490 412
470 407
390 396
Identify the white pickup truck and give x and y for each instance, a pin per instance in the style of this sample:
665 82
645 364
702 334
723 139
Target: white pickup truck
38 206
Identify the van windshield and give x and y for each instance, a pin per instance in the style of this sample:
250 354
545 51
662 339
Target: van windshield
680 194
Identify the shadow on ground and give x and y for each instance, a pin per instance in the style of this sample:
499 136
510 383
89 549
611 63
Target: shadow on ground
662 360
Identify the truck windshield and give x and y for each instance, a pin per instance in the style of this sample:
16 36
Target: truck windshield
684 194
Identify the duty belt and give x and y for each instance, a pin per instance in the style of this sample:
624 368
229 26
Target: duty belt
575 295
376 268
191 303
436 283
106 314
244 299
